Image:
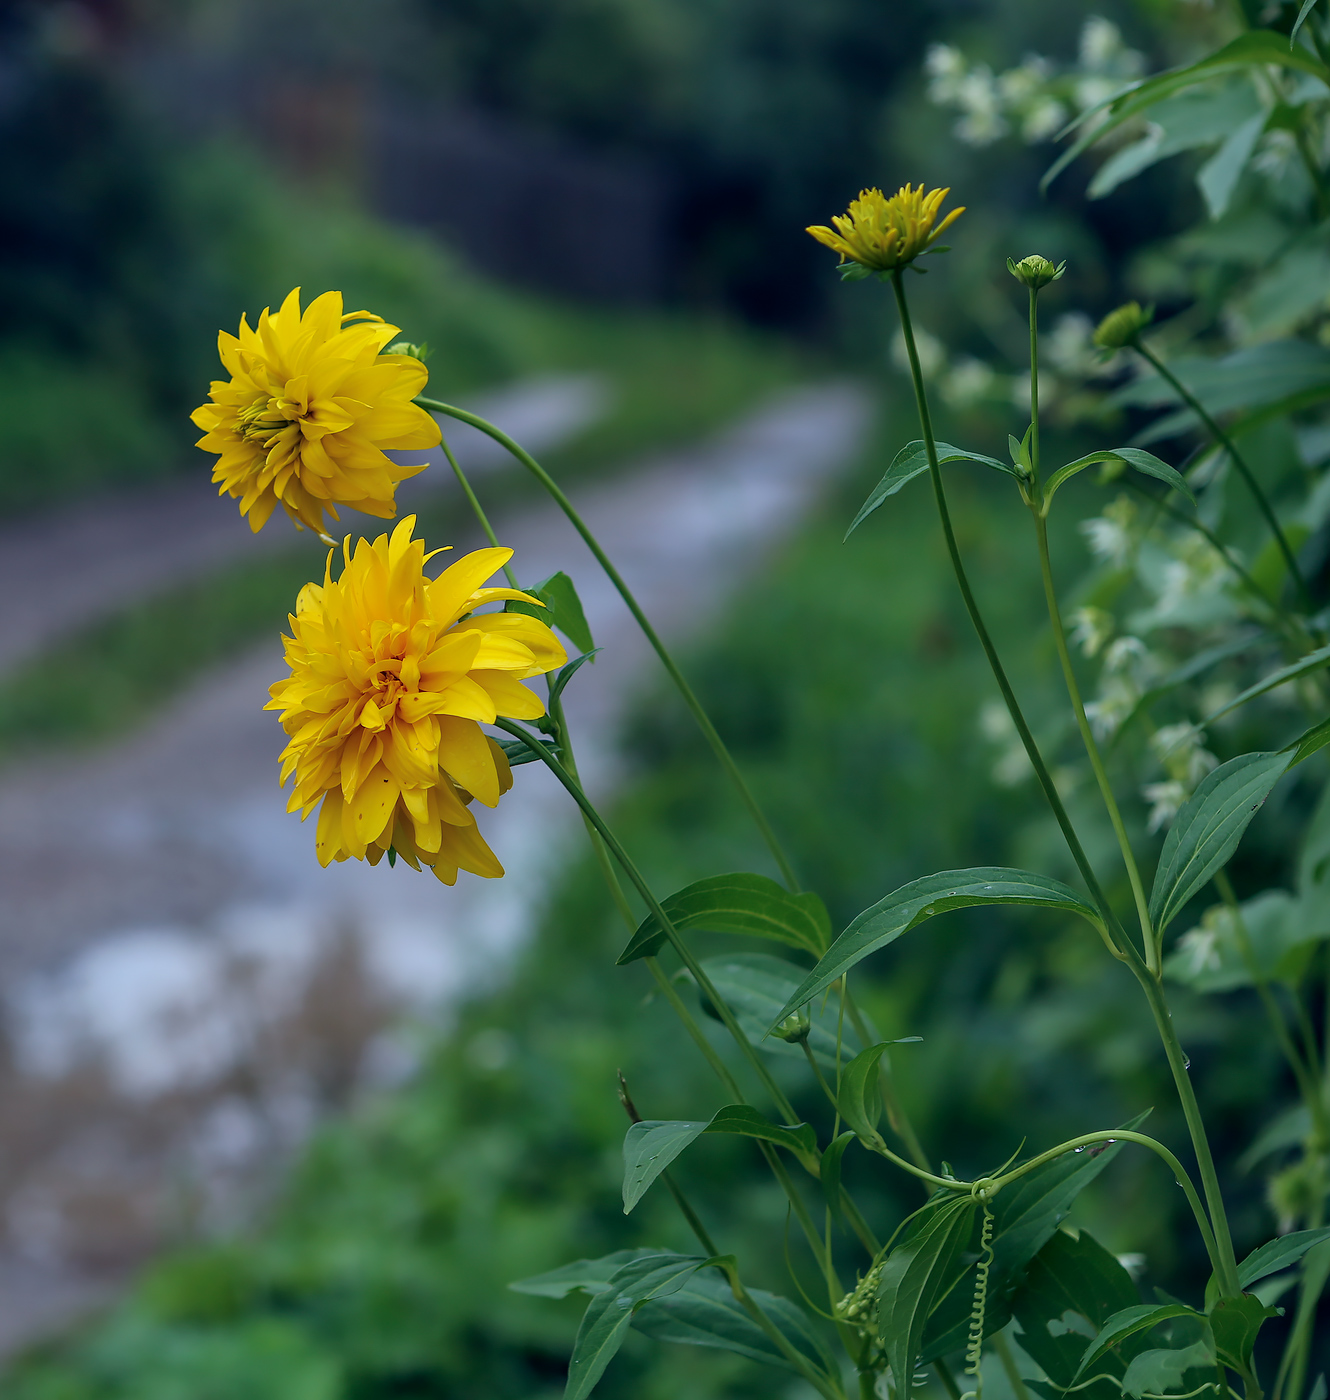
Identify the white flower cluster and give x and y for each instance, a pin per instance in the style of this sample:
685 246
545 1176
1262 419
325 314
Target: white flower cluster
1034 98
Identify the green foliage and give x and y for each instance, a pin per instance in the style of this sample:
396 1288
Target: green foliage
912 461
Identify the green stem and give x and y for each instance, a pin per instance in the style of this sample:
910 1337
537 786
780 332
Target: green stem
703 720
1155 1146
1148 939
1125 948
819 1380
1226 1267
1034 389
1221 437
1014 1378
477 509
943 1372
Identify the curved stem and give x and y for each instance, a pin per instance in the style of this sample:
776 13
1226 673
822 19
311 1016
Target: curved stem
1148 939
1125 947
477 509
1220 436
722 753
1142 1140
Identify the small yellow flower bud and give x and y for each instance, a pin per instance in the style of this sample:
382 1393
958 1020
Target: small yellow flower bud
794 1027
1035 271
1121 327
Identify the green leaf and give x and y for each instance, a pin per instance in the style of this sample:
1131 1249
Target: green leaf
1218 177
1278 1254
1307 7
563 609
1234 1323
1311 741
830 1173
566 673
1313 661
915 1274
738 903
1286 1129
1144 462
1254 49
912 461
1155 1372
1128 1323
858 1099
755 985
705 1313
609 1313
648 1148
518 753
1207 830
651 1145
585 1275
910 905
1076 1285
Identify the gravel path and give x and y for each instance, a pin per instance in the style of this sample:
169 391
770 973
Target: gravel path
138 877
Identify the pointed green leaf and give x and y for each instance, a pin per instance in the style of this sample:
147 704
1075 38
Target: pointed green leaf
1235 1322
1161 1370
914 1275
651 1145
518 752
1128 1323
1254 49
566 673
910 905
704 1313
1208 828
830 1172
754 986
1307 7
859 1101
1311 741
609 1313
1075 1285
912 461
584 1275
563 609
648 1148
738 903
1313 661
1141 461
1278 1254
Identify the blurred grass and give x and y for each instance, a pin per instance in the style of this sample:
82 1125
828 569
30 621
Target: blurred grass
671 378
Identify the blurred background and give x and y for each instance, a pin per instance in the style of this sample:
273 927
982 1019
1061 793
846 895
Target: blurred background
270 1131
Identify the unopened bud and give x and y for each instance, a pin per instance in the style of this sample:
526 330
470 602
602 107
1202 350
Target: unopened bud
1035 271
405 347
1121 327
795 1027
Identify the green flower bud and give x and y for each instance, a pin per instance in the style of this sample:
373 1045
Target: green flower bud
1121 327
794 1027
1035 271
405 347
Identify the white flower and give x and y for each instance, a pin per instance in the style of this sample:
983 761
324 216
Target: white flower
1115 702
978 98
1109 535
1043 119
1091 629
1103 51
1128 655
945 67
932 353
1180 748
969 382
1165 801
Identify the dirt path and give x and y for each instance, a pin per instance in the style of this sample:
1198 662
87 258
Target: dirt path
164 915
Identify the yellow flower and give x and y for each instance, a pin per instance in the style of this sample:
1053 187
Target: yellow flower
308 411
392 675
884 234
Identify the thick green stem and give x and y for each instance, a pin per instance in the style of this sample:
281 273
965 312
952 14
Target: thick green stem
1014 1378
1148 939
476 508
703 720
1034 388
1226 1267
1124 946
1221 437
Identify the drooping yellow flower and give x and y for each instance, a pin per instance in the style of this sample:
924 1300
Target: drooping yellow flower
308 411
885 234
392 675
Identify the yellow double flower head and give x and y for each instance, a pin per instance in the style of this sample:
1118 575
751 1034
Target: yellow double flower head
881 234
392 674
